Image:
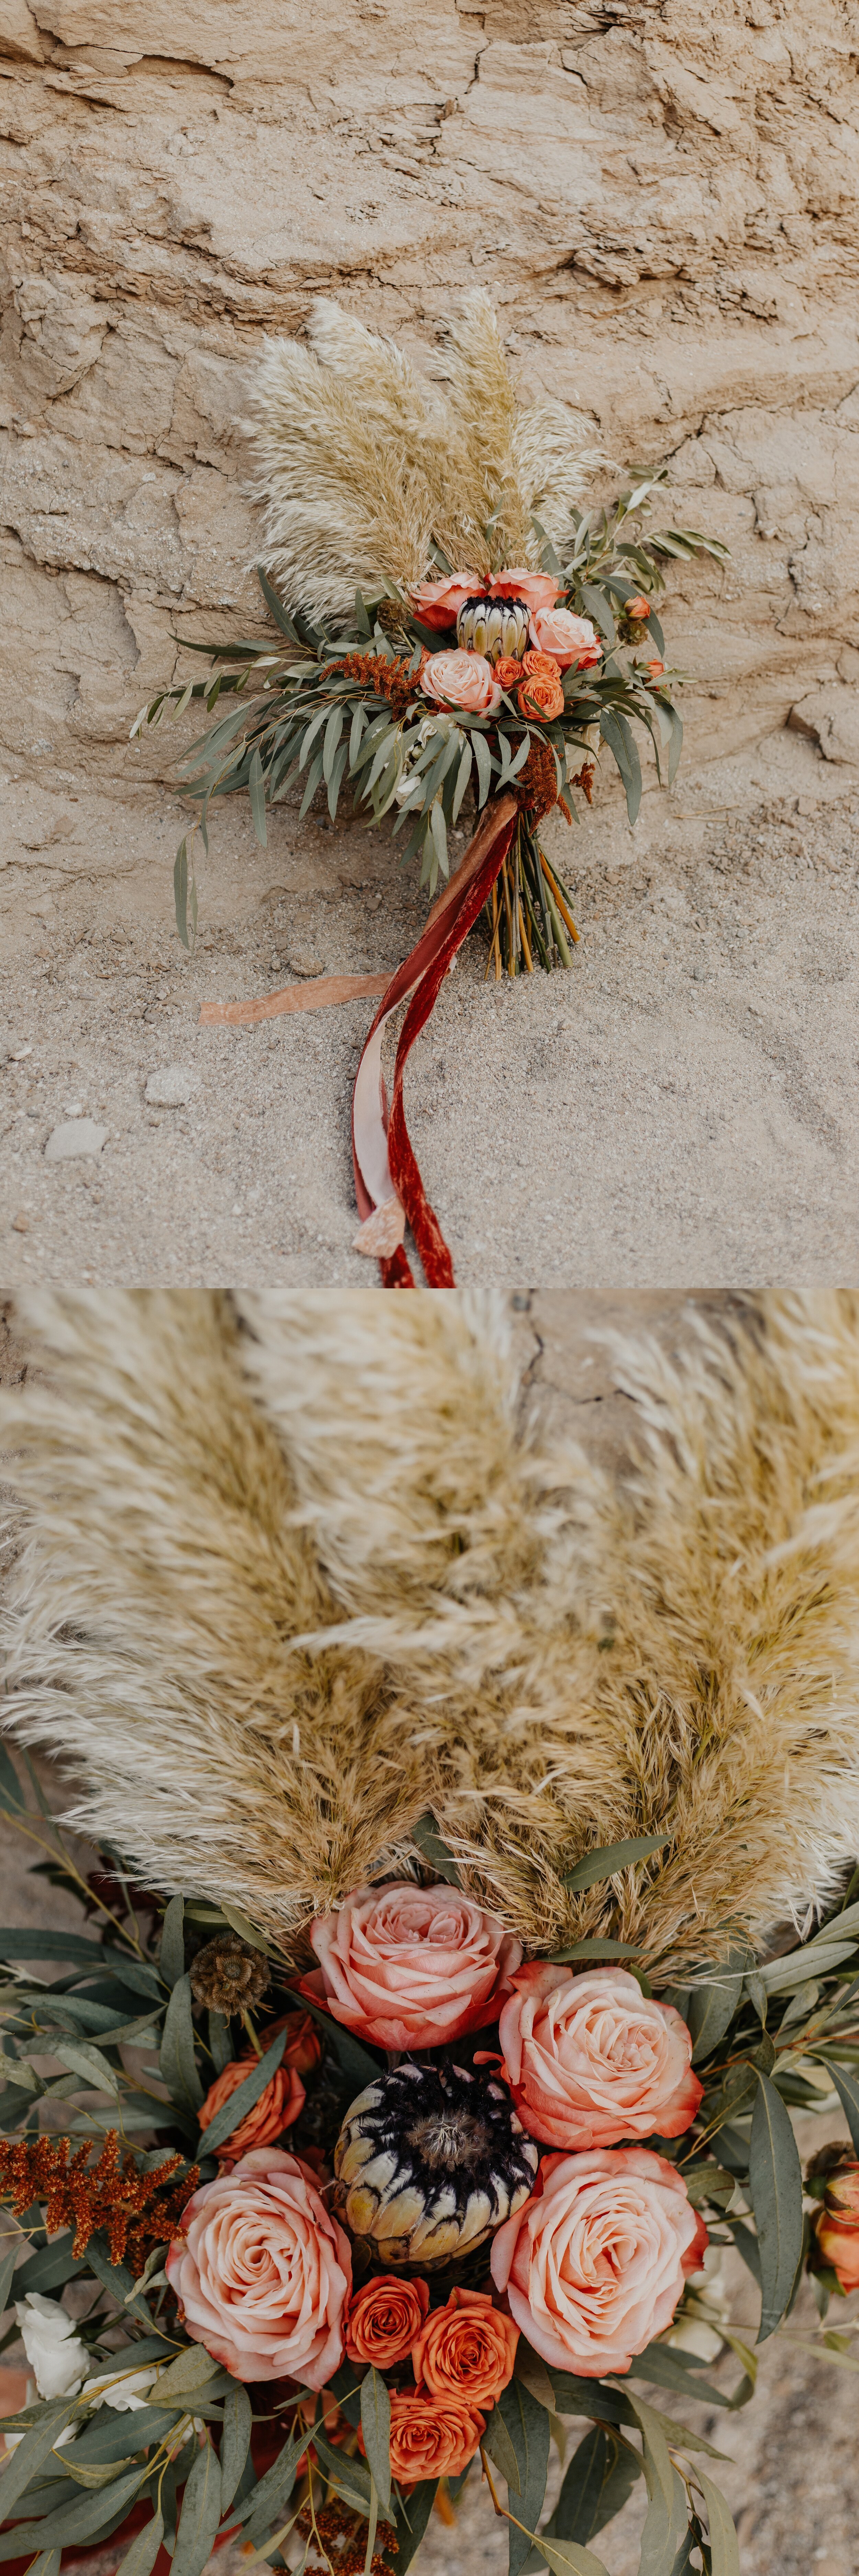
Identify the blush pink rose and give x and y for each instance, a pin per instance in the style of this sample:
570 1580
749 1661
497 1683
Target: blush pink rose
408 1967
461 679
536 588
595 2266
262 2271
591 2059
438 603
571 639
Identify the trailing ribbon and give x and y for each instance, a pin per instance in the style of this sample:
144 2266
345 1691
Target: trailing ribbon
388 1184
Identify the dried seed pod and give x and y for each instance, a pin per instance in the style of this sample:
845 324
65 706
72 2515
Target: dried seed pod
227 1976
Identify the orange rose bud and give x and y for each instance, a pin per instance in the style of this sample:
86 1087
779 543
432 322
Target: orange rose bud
466 2349
837 2229
279 2104
431 2437
384 2319
303 2047
540 697
655 669
638 607
508 670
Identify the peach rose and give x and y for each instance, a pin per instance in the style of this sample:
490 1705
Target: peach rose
507 669
262 2272
537 589
280 2103
461 680
466 2350
438 603
431 2437
384 2320
837 2228
638 607
594 2267
654 671
590 2059
408 1967
571 639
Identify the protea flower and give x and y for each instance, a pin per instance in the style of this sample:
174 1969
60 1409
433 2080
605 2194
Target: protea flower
493 627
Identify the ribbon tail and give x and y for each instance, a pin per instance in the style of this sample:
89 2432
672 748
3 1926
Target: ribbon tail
384 1160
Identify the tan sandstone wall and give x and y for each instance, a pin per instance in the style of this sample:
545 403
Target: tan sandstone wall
660 194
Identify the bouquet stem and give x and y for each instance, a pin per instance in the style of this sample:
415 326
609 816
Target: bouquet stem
528 911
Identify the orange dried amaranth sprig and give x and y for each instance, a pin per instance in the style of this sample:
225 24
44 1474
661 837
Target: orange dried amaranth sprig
342 2531
135 2209
395 681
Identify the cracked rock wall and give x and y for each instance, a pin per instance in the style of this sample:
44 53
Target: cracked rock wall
662 198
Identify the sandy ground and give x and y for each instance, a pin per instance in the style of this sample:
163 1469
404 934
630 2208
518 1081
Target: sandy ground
680 1108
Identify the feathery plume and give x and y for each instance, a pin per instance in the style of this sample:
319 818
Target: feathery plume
295 1574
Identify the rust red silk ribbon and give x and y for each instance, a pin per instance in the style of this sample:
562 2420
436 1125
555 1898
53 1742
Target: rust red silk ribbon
388 1184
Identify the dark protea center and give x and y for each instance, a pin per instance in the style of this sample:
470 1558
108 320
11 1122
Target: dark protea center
430 2160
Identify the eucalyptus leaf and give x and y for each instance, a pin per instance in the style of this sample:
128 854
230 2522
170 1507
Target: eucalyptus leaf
847 2088
412 2515
600 2477
376 2430
172 1954
435 1850
140 2558
601 1864
593 1949
666 2526
177 2061
89 2064
528 2427
30 2455
188 2372
244 2097
90 2516
348 2476
724 2551
775 2185
200 2515
566 2558
235 2440
259 2509
497 2442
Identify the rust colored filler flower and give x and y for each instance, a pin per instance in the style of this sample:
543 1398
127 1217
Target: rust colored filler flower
135 2209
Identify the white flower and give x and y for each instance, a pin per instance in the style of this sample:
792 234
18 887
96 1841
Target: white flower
57 2357
120 2389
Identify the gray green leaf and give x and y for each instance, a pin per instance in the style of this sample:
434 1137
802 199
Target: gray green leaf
775 2186
235 2441
376 2429
200 2515
177 2060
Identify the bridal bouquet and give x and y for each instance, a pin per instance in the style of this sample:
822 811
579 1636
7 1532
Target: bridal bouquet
455 631
366 2222
487 1909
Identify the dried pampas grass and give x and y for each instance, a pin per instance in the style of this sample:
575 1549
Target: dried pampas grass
362 466
295 1573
